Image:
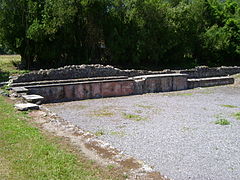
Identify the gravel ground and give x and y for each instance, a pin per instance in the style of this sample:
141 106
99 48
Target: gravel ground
173 132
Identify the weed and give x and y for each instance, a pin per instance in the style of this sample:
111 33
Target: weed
133 117
179 94
100 133
123 126
118 133
110 167
229 106
92 162
237 115
102 112
222 122
144 106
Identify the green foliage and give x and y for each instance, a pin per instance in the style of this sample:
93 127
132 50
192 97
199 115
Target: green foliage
136 33
237 115
222 122
133 117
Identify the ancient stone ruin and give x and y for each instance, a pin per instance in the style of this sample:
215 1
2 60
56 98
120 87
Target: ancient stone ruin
97 81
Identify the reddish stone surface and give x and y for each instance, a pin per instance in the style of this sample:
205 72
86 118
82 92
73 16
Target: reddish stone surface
96 90
69 91
111 89
127 88
78 91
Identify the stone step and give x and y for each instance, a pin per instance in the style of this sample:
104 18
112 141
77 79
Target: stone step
47 82
207 82
3 83
33 98
19 89
26 106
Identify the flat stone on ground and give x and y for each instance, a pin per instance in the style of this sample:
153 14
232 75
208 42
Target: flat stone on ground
26 106
20 89
32 98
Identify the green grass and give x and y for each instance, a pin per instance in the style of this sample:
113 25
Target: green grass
179 94
100 133
222 122
237 115
26 153
118 133
144 106
229 106
133 117
8 67
102 113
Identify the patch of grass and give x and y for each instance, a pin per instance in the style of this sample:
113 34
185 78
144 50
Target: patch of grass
237 115
222 122
26 153
179 94
144 106
118 133
229 106
110 167
5 89
100 133
102 112
237 76
8 66
123 126
133 117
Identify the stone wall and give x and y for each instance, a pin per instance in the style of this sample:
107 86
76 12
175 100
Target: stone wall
109 88
204 71
77 72
97 70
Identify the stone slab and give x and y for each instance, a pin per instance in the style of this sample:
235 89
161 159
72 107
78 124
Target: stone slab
20 89
26 107
160 76
207 82
3 83
33 98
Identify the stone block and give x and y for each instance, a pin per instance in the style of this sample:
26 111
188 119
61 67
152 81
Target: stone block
26 107
50 93
207 82
166 84
179 83
83 91
78 92
69 91
139 86
127 88
111 89
20 89
33 98
96 90
87 91
152 85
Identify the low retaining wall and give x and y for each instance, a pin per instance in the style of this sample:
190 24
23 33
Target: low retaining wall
206 82
204 72
110 88
97 70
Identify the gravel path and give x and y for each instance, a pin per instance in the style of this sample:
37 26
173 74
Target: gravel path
173 132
